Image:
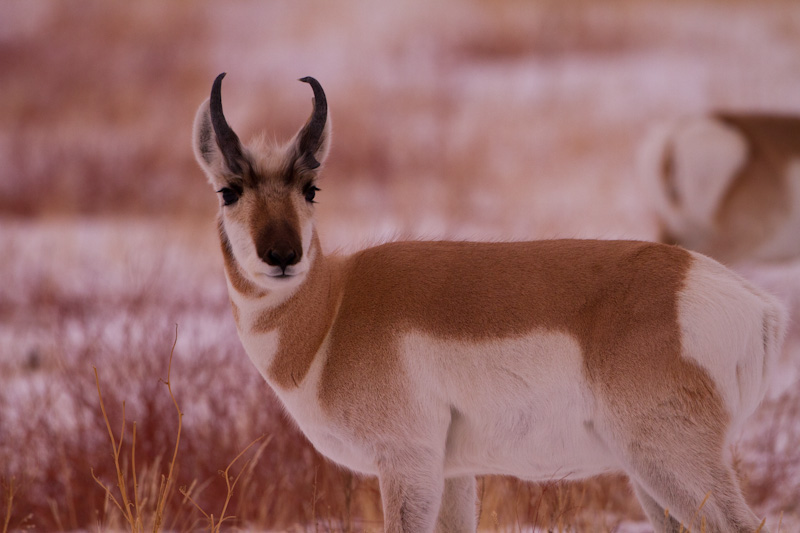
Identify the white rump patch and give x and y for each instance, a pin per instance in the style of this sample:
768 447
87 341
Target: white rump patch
722 318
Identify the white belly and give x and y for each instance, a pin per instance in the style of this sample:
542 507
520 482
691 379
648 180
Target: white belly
519 406
568 449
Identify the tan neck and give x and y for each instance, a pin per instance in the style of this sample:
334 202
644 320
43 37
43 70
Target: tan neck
302 320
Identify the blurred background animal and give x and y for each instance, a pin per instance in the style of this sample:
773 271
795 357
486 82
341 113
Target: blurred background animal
728 185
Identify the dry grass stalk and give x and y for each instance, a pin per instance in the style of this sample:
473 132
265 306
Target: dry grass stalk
9 490
215 525
684 529
314 503
166 484
125 507
702 520
133 511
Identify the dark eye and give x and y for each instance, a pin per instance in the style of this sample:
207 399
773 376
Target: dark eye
311 192
229 196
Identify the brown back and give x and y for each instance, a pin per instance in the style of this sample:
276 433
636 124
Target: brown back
619 299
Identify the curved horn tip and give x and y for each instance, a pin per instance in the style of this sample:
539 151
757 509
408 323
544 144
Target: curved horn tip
315 85
217 82
319 93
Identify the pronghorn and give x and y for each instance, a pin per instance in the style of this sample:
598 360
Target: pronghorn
728 185
428 363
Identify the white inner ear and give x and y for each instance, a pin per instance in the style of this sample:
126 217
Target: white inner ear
205 148
707 156
325 146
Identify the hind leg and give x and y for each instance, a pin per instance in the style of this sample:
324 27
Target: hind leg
457 513
659 517
412 484
680 484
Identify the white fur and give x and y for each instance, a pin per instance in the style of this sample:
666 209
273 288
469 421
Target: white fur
261 348
529 418
745 321
534 415
279 289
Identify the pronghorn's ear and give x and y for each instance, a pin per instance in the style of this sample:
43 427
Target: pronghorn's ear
310 145
216 146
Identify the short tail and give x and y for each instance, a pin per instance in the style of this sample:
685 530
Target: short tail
755 374
776 319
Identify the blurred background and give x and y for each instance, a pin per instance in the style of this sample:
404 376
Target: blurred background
469 119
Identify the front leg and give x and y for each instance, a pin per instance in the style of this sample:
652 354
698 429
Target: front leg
457 513
411 492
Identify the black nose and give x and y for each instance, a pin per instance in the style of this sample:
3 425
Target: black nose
282 257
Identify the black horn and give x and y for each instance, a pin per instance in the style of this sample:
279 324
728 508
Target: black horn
227 140
310 138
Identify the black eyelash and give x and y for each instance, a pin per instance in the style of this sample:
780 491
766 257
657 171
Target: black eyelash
229 195
310 193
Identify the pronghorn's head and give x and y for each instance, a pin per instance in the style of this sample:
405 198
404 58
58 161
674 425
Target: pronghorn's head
266 192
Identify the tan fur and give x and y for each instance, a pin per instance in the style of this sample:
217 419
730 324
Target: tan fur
559 285
365 303
303 322
427 363
235 312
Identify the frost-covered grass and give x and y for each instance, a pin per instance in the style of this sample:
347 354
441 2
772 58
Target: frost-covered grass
474 119
53 433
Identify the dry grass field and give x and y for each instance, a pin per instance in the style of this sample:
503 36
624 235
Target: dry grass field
474 119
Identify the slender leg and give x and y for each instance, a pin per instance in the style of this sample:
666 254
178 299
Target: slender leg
657 515
681 484
457 513
411 492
